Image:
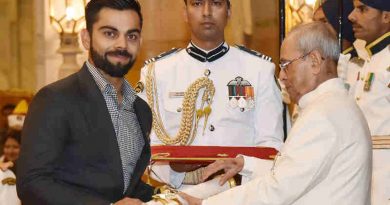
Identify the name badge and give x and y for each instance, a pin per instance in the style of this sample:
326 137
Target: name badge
176 94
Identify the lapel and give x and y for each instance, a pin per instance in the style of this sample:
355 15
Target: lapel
144 116
98 119
97 116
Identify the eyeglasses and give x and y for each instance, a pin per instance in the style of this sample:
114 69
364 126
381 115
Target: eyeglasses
283 66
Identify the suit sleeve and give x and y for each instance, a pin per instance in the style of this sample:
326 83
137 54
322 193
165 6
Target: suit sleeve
144 192
304 162
44 137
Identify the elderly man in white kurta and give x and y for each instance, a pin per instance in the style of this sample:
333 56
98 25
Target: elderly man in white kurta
327 156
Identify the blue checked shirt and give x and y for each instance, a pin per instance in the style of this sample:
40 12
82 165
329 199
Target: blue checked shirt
127 129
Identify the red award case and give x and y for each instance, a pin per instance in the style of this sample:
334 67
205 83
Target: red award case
207 154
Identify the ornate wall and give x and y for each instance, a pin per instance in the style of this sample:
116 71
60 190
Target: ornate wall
254 23
48 42
163 29
29 59
17 41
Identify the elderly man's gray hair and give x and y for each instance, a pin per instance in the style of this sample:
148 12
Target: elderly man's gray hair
316 36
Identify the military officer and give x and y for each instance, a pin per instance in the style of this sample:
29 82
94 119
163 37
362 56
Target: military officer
369 68
243 106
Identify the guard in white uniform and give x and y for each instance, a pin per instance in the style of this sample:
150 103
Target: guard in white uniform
256 123
326 159
369 79
8 194
246 108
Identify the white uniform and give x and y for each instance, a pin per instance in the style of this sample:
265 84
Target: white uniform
374 101
227 126
326 159
8 194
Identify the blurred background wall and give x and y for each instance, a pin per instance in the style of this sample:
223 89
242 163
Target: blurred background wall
29 59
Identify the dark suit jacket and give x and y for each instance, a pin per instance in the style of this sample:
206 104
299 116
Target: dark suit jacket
69 152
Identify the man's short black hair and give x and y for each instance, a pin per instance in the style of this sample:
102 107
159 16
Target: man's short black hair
228 3
94 6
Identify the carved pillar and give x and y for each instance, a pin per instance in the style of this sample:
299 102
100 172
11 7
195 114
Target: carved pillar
8 34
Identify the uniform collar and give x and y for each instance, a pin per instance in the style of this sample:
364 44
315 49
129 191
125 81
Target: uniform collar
372 48
207 56
329 85
379 44
351 50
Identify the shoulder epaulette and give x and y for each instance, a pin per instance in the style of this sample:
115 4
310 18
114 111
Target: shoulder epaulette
9 181
351 50
253 52
162 55
348 50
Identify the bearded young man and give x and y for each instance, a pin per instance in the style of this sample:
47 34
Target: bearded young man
85 139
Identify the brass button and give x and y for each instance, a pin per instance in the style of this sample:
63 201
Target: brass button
357 98
207 72
211 128
179 109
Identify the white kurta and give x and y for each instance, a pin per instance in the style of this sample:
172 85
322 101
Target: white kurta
260 126
325 160
375 105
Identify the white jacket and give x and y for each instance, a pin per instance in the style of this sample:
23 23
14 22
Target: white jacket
326 159
226 126
8 194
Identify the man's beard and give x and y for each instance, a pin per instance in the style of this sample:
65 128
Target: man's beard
111 69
